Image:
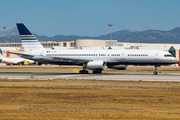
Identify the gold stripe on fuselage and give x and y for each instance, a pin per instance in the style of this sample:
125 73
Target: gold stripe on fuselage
28 36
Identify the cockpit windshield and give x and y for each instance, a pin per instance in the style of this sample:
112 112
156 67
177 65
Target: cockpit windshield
168 55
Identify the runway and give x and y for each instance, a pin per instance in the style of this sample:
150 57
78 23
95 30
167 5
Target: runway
103 76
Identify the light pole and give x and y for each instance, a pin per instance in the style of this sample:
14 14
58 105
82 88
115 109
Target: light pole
110 32
4 27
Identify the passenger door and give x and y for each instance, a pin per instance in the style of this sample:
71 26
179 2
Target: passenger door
123 56
157 56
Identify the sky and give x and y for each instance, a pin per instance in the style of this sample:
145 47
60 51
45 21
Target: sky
89 17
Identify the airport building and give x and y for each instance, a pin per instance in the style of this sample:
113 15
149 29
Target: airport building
92 43
105 44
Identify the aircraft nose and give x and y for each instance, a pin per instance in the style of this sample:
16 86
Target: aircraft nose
175 59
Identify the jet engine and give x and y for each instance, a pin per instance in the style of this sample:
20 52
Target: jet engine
96 65
119 67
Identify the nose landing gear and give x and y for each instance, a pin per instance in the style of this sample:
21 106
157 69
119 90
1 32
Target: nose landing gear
156 70
155 73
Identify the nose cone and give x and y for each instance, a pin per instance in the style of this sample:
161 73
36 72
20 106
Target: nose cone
175 60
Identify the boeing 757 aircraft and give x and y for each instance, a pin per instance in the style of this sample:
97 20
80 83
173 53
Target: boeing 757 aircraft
95 60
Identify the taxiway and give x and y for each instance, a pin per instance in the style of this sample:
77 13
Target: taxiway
103 76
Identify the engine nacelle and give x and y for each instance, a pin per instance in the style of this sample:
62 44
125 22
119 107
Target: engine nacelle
119 67
96 65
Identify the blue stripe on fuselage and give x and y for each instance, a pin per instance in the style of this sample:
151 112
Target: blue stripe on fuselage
28 39
139 63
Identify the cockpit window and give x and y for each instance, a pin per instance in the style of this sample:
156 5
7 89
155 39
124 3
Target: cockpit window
168 55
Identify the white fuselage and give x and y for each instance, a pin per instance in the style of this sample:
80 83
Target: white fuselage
125 56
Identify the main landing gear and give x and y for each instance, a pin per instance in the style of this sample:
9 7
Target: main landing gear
97 71
83 72
156 70
86 72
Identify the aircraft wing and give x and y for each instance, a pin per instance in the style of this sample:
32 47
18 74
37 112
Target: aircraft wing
23 54
79 60
17 61
52 57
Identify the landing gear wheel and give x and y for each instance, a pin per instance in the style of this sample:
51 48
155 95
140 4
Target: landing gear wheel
95 71
80 72
83 72
86 72
155 73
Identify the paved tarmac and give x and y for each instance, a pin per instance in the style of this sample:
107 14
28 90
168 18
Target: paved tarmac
103 76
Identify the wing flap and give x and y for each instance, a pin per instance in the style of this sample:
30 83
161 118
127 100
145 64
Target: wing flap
70 59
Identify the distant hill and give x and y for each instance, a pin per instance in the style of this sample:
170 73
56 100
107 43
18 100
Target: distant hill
153 36
149 36
11 32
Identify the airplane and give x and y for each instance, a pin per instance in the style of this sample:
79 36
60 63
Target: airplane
95 60
16 61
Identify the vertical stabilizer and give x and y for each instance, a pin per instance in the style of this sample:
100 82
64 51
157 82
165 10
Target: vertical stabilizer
30 42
